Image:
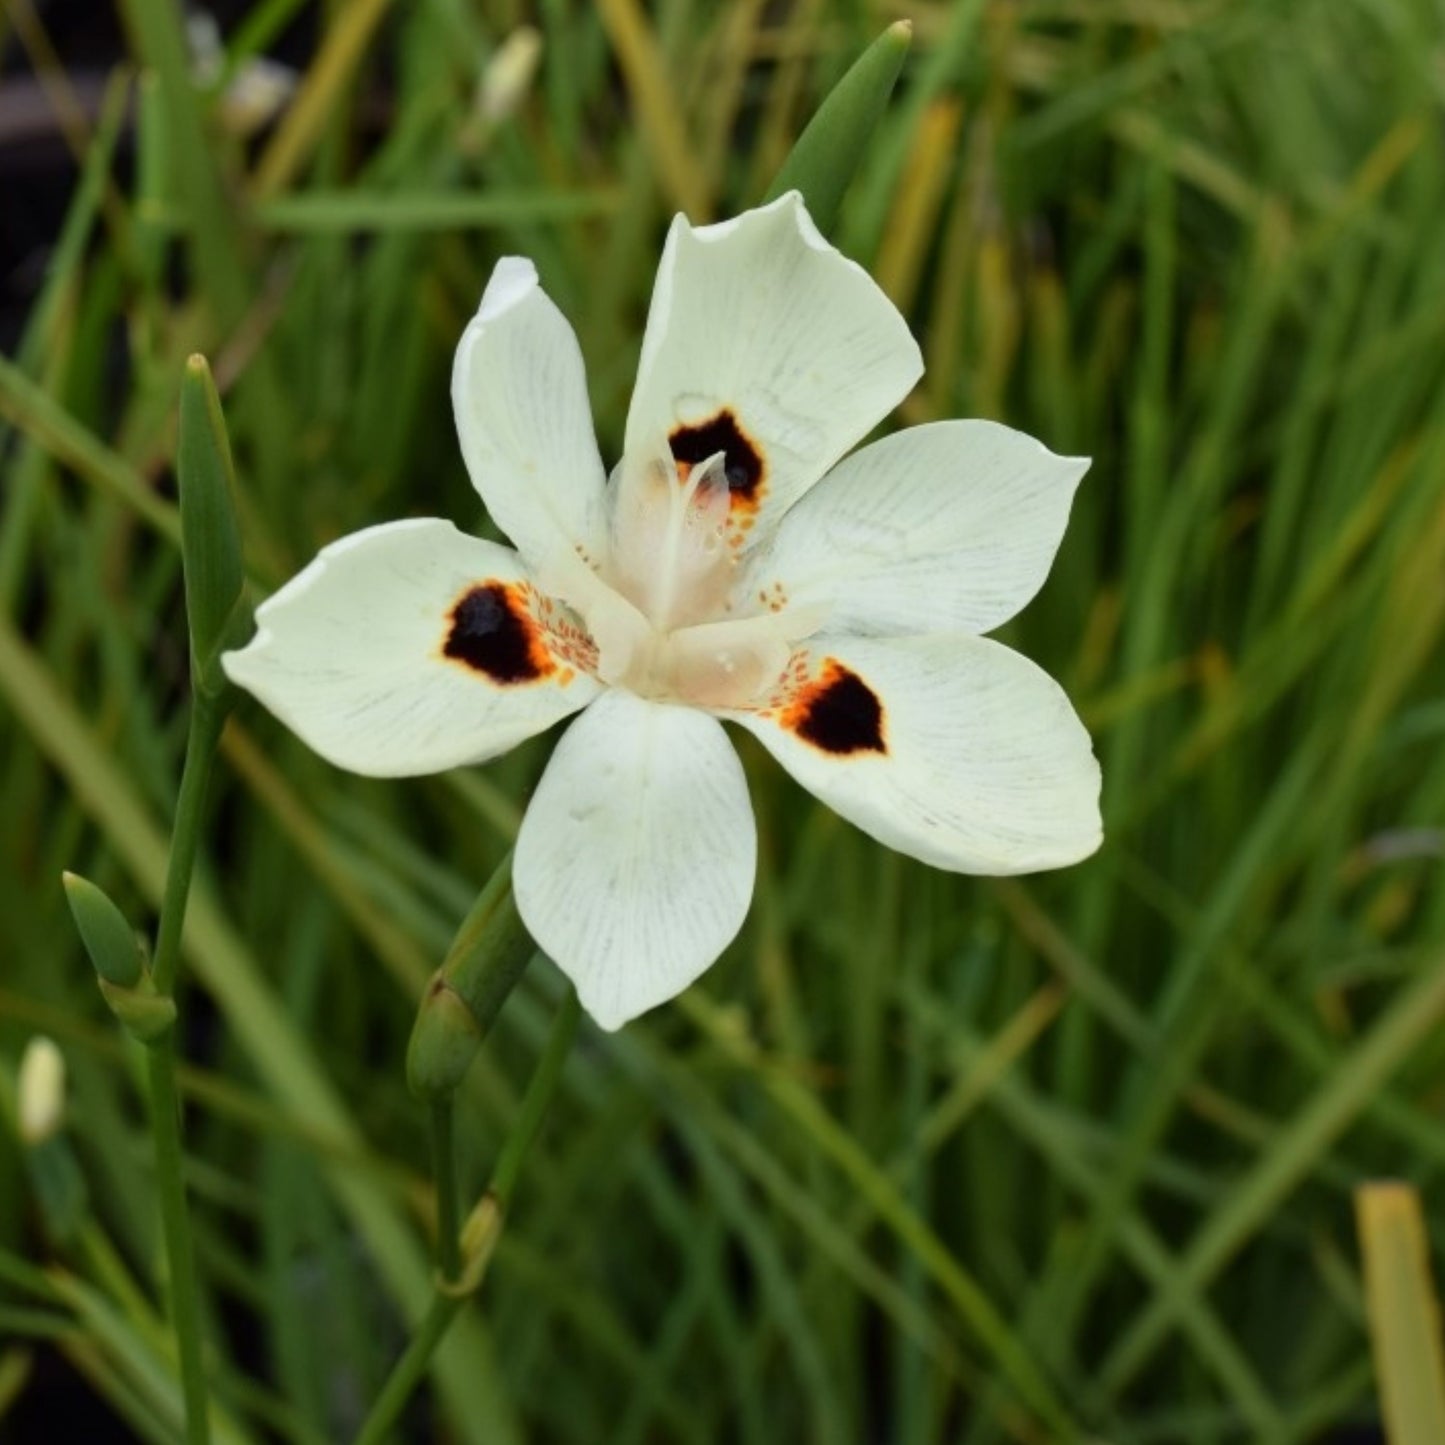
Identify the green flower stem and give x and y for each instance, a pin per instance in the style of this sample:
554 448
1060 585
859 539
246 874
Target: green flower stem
483 1228
444 1173
536 1101
207 718
407 1372
176 1226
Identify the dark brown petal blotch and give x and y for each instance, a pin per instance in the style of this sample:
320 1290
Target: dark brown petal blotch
838 713
742 461
493 632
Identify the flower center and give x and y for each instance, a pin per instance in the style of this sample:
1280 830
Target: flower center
670 555
659 604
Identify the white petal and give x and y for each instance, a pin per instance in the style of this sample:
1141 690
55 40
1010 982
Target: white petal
947 527
520 394
634 866
352 653
761 318
952 749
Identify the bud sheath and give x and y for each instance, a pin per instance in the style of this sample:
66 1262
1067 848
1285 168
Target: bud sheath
109 940
467 992
210 538
826 155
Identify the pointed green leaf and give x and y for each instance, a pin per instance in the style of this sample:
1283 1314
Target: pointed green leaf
826 155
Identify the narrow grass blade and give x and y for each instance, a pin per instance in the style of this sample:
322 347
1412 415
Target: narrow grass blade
1404 1313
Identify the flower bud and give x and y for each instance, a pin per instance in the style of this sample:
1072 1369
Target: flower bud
256 91
444 1040
40 1092
467 992
825 156
119 962
257 95
50 1162
509 74
109 940
210 537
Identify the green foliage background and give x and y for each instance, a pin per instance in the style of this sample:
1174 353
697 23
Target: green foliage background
924 1158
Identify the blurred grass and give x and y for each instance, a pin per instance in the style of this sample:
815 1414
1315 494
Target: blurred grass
1404 1312
925 1158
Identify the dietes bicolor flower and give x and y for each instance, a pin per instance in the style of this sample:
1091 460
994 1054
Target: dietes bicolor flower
738 565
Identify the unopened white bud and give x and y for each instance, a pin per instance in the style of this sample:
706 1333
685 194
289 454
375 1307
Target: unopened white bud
256 95
40 1091
256 92
208 51
508 76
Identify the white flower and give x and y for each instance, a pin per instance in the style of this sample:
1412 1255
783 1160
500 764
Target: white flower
731 568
